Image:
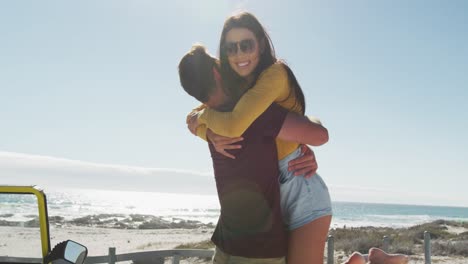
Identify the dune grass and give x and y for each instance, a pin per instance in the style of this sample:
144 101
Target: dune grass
206 244
408 241
404 240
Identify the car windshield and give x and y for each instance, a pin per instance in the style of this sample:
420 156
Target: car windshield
19 226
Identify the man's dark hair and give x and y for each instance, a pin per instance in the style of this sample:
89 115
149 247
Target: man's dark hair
196 73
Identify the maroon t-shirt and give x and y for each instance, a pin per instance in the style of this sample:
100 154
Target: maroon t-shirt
250 224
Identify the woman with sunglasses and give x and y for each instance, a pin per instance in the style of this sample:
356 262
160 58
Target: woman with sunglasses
252 73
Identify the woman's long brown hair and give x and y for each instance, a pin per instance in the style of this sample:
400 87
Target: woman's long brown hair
267 58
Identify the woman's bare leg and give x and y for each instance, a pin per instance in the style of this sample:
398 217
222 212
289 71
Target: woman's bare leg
378 256
307 243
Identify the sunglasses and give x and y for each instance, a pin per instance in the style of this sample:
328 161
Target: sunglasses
245 45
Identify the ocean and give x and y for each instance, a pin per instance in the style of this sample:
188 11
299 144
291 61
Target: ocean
75 203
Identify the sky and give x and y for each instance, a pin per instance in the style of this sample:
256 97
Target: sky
90 94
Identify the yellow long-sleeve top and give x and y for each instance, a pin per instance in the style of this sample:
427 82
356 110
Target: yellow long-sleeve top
272 86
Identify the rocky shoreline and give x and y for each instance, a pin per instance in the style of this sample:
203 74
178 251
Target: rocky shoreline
119 221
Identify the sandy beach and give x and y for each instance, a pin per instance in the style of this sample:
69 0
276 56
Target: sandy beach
98 241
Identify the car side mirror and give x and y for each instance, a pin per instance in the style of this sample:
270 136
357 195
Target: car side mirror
69 251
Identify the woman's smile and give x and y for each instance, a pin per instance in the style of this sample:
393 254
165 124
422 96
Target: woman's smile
243 64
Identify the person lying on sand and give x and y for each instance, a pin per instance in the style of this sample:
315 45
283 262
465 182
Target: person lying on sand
377 256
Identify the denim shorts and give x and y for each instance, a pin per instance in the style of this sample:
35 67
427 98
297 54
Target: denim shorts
303 200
